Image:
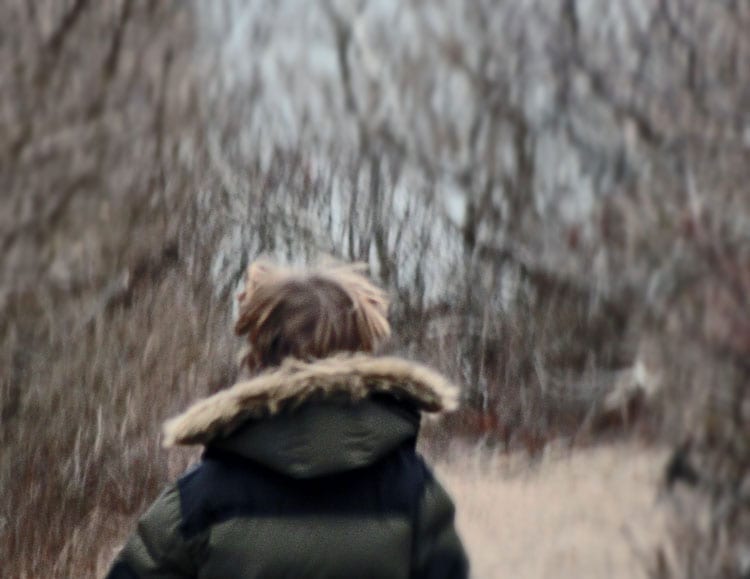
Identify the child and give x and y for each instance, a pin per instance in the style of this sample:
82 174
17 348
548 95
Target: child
309 468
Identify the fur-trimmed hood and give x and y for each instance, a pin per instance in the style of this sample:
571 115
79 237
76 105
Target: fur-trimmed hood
308 419
294 383
313 418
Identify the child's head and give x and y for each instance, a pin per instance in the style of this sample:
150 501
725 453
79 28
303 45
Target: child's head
309 314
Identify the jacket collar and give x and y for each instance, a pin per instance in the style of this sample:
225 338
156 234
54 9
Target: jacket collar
295 382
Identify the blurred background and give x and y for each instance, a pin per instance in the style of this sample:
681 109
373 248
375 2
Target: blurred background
555 195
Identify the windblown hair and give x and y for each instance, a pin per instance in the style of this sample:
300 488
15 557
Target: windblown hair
309 314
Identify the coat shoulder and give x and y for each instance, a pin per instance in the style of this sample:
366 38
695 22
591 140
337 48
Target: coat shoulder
225 485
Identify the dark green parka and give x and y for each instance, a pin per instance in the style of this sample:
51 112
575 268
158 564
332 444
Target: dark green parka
308 471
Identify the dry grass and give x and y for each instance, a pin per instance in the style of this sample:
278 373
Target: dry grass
591 513
82 447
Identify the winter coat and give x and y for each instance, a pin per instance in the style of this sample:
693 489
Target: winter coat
309 471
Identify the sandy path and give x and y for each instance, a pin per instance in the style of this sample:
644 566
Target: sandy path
589 514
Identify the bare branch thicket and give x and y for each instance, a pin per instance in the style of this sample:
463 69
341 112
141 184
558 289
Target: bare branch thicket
107 320
408 130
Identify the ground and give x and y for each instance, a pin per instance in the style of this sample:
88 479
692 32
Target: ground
591 513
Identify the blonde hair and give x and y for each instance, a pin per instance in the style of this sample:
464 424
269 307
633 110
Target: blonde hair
309 314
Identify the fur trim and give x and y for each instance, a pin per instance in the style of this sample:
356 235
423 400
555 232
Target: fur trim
295 382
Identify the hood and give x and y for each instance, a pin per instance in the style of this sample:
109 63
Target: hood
314 418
